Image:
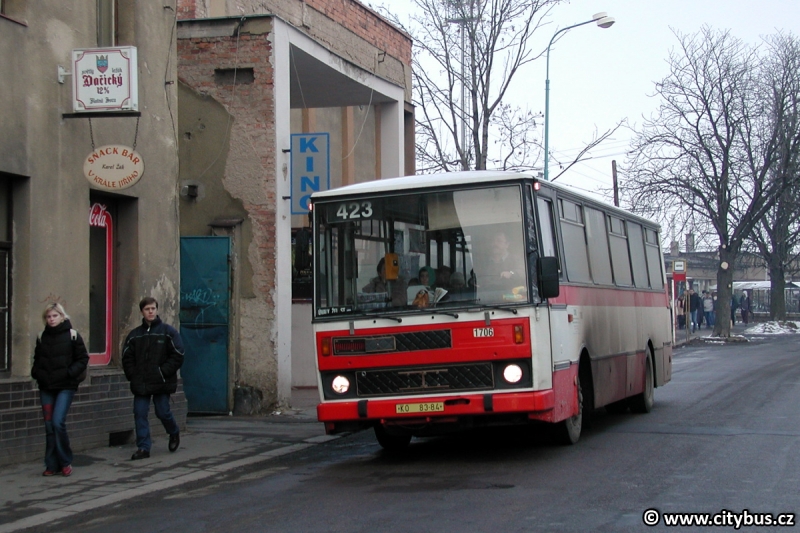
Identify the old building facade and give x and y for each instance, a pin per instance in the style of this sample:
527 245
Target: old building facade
96 249
252 76
208 227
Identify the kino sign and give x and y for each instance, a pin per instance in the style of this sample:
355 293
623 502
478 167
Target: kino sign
105 79
311 168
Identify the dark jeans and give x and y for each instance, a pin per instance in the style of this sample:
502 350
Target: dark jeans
141 407
55 405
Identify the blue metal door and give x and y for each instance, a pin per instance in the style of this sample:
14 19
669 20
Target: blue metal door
205 289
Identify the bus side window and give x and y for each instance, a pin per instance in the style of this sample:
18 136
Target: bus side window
576 258
597 237
638 262
653 255
620 260
546 227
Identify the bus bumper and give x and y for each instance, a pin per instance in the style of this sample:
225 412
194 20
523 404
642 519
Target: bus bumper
348 415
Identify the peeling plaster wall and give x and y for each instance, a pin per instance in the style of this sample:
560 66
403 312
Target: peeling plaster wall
237 171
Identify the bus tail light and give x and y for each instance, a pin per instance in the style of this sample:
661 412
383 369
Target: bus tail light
519 334
326 346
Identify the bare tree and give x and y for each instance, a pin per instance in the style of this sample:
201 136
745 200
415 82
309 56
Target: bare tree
466 56
710 147
777 235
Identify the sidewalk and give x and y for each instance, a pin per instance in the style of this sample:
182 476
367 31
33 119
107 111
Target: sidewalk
103 476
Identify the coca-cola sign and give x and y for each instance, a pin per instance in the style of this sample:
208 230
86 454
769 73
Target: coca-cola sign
113 167
98 216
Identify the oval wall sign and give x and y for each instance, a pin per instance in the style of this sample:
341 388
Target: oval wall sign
114 167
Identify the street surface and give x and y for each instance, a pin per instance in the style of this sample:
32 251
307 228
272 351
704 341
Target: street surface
723 436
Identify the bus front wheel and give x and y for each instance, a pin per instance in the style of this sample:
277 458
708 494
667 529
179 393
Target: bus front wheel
391 442
569 431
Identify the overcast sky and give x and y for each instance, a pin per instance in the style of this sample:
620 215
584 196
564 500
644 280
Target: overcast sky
600 76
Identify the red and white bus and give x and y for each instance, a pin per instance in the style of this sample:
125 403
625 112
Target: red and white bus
458 300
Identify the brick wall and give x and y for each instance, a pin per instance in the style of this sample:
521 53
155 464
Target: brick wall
349 14
102 406
367 24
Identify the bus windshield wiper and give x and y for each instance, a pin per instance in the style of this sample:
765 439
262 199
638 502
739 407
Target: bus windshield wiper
380 315
441 312
499 307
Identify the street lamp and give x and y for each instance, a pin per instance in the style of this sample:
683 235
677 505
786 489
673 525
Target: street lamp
603 21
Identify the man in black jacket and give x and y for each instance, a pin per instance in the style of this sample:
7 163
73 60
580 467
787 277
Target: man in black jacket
151 357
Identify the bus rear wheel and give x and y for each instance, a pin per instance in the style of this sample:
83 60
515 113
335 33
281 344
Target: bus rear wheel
391 442
569 431
643 402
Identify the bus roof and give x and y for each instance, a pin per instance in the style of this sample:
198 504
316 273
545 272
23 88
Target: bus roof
422 181
468 177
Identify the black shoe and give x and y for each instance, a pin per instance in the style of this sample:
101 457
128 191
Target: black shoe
174 441
140 454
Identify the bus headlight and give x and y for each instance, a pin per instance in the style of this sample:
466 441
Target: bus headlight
512 373
341 384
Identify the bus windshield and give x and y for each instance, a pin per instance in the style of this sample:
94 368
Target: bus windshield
416 252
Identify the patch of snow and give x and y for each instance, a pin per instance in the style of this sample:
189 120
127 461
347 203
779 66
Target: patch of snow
773 328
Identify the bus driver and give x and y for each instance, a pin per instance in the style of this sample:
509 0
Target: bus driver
504 269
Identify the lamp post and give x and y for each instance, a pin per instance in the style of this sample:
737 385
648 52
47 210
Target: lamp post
603 21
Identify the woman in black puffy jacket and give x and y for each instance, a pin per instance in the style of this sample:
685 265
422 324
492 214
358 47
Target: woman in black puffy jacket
59 363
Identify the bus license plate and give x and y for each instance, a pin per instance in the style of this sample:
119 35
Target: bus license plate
428 407
483 332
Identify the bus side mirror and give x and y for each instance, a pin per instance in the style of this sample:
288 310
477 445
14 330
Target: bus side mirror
548 277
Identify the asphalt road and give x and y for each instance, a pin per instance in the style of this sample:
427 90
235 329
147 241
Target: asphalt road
723 436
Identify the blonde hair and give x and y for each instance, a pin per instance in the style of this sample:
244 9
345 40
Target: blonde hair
58 308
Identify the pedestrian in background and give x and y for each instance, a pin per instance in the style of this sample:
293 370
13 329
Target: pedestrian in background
151 358
744 306
708 309
680 311
734 307
695 306
59 365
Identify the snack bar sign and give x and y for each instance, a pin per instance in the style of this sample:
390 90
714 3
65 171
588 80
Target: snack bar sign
105 79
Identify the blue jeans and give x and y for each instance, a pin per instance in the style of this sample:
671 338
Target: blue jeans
694 319
141 407
709 318
55 405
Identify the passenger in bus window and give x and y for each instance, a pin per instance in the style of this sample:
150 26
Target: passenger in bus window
504 270
458 287
380 284
457 281
443 276
427 276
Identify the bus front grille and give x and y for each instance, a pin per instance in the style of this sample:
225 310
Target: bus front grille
399 342
427 380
